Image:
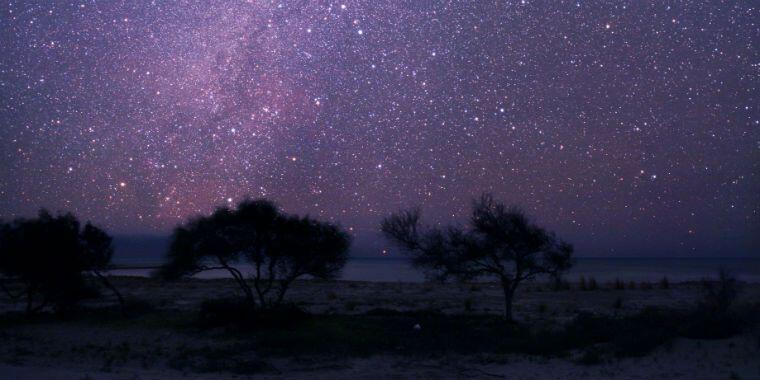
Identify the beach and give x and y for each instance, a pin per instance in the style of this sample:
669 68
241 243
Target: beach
163 340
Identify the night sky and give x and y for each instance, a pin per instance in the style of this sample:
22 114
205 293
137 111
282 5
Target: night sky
629 127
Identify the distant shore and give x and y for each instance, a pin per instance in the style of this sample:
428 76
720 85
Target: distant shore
399 269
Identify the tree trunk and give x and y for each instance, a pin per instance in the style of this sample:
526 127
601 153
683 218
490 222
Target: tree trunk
509 293
243 286
283 288
240 279
113 289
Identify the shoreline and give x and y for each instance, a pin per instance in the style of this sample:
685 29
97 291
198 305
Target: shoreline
399 269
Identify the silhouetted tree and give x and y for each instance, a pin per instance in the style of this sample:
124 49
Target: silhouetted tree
559 260
280 248
51 256
501 243
98 247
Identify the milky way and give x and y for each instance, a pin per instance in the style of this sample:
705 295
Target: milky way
630 127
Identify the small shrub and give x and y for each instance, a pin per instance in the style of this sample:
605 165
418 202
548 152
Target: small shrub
713 318
592 285
703 324
629 336
664 283
136 306
644 285
234 312
720 294
282 316
631 285
582 283
225 311
618 284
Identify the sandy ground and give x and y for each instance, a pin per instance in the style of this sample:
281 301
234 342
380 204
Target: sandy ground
74 350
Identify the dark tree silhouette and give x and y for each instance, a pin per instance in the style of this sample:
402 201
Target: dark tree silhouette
279 247
51 257
501 243
559 260
98 248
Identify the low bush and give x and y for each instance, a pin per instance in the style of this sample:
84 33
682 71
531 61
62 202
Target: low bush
720 294
629 336
233 312
225 312
429 332
706 325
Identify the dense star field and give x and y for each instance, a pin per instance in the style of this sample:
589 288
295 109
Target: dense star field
629 127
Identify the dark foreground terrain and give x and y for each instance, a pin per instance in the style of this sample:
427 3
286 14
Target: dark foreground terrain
197 329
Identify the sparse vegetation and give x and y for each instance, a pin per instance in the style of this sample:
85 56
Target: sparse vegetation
52 260
719 295
502 243
228 330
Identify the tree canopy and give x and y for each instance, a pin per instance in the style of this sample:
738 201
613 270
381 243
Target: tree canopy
278 247
500 243
50 256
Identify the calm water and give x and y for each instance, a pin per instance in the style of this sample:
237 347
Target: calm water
603 269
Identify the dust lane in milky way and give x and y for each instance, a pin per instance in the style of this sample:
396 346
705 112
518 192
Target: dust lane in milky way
625 125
